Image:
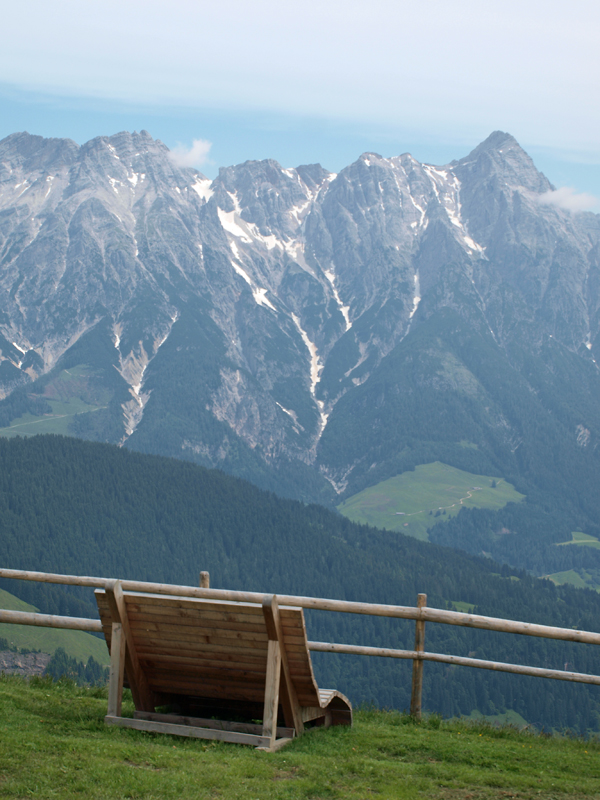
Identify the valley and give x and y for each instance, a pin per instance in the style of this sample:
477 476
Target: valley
88 508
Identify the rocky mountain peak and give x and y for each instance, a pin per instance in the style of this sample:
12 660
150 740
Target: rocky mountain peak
250 306
501 158
23 151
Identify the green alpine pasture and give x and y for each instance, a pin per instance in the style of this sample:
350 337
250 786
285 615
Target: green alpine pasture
580 578
583 539
78 644
54 743
70 393
415 501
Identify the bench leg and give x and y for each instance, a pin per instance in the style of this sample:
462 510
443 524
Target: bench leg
271 706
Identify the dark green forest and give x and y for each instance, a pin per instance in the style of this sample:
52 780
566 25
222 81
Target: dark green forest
499 413
86 508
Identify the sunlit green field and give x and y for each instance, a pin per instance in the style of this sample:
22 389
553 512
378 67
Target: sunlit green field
414 501
78 644
53 743
580 578
68 394
57 422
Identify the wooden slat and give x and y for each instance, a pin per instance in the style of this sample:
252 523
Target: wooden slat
210 666
191 620
117 670
142 599
167 605
313 712
209 628
186 730
148 643
216 724
200 689
191 632
224 660
271 691
139 688
291 707
209 677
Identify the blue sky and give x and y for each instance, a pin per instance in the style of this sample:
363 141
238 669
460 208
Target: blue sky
312 81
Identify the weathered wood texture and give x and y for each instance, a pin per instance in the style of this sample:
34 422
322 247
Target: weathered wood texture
217 724
117 670
499 666
417 670
220 649
190 731
371 609
50 621
289 698
142 694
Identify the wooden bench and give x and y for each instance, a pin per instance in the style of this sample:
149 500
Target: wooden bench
219 666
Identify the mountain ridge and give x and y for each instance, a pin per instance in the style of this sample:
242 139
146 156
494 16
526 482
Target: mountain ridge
310 331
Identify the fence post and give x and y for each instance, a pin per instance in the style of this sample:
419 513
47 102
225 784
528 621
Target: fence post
205 580
417 673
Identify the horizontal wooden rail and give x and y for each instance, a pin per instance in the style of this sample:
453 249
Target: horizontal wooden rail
346 606
414 655
50 621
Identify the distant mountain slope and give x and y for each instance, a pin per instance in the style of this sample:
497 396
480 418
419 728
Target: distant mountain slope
311 332
86 508
76 644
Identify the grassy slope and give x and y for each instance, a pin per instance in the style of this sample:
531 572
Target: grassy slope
430 488
54 744
68 394
78 644
581 539
579 578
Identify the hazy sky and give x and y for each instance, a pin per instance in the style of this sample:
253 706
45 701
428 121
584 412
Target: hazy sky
317 80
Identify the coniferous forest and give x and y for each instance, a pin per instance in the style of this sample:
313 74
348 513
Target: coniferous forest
85 508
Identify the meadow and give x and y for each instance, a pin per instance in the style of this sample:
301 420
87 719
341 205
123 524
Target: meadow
77 644
54 744
416 500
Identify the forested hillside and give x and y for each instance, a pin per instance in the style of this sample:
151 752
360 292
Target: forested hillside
78 507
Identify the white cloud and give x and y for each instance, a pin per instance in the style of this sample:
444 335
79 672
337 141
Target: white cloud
567 199
193 156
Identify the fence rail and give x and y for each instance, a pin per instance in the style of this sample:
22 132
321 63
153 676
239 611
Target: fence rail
421 614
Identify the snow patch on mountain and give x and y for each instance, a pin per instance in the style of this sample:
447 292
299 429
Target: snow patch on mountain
316 367
260 295
330 275
446 187
416 296
202 188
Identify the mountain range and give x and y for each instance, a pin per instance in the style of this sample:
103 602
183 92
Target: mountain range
316 333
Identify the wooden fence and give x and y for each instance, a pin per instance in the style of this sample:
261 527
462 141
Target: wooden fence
421 614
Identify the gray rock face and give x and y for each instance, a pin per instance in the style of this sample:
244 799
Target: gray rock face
237 321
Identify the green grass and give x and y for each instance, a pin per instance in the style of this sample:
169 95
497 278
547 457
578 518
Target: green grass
404 503
57 422
68 394
54 743
579 578
466 608
580 538
508 718
78 644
